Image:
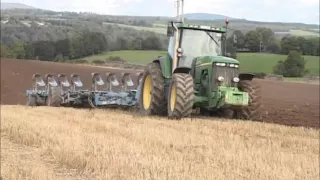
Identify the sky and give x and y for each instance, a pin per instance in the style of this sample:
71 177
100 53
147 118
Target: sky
301 11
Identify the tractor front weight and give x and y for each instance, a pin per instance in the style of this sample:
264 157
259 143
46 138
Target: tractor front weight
230 97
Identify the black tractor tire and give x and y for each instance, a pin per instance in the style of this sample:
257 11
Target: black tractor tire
31 101
226 113
253 110
54 97
184 96
158 104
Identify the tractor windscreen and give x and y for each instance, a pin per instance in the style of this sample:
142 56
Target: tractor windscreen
197 43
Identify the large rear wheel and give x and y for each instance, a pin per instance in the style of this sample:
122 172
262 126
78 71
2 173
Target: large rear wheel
152 94
181 96
253 110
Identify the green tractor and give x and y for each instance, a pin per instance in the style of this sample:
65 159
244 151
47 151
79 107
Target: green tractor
197 74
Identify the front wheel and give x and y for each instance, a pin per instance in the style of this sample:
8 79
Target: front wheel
181 96
253 110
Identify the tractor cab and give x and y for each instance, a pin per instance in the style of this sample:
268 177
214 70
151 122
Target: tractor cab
189 43
201 50
192 41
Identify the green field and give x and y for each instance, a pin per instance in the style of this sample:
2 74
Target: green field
261 62
250 62
135 57
157 28
303 33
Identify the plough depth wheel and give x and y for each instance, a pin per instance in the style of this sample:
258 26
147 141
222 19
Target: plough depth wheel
152 94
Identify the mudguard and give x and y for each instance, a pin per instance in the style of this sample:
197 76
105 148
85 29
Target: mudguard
246 76
165 64
182 70
162 65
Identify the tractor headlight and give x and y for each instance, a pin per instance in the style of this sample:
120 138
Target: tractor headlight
220 78
221 64
236 79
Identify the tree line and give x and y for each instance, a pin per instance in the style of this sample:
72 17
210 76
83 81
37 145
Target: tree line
263 40
77 34
67 18
79 46
22 43
71 39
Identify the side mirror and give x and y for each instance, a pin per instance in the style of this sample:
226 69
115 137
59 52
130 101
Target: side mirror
170 31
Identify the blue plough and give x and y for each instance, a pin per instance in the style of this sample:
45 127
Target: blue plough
58 91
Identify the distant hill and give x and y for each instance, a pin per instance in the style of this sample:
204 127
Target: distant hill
5 5
206 16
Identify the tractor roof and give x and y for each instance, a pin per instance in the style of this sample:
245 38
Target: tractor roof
201 27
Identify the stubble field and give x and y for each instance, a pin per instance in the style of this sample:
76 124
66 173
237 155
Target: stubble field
57 143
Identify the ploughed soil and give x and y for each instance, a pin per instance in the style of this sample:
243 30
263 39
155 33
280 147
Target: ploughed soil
286 103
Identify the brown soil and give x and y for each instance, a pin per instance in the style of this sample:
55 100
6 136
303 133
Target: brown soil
287 103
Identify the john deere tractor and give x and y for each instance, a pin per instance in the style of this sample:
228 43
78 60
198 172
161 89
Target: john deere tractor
197 74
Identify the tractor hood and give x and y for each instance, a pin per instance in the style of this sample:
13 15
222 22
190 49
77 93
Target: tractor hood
209 59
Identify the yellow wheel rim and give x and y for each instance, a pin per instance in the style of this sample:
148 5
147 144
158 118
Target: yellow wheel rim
147 88
173 96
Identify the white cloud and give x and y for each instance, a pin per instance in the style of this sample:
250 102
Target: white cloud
310 2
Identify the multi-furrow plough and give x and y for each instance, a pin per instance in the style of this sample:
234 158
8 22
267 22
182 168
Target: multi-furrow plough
59 91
